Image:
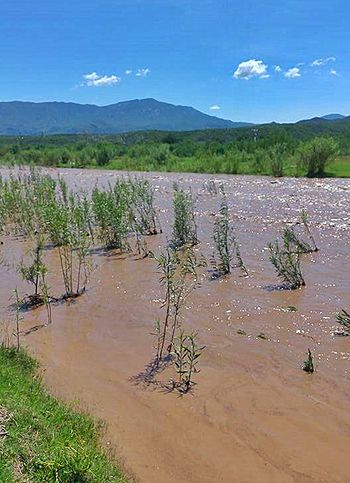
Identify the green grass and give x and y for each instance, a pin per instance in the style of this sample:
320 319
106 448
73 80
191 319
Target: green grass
340 168
45 440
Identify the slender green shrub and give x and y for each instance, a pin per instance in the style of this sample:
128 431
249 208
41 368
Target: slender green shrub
287 264
343 318
309 366
34 272
300 242
184 226
113 215
277 155
178 277
227 253
146 220
187 353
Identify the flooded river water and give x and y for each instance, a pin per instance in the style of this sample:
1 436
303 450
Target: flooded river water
254 415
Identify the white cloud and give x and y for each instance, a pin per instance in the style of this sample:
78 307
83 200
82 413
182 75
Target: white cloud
143 72
215 107
277 68
334 72
128 71
250 68
292 73
319 62
96 80
265 76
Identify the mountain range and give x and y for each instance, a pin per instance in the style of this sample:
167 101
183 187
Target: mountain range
30 118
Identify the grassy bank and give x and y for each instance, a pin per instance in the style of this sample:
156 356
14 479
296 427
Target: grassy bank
339 168
42 439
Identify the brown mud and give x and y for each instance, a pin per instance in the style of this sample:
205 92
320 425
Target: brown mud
254 415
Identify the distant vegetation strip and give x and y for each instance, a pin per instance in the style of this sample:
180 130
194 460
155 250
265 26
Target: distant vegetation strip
312 148
42 439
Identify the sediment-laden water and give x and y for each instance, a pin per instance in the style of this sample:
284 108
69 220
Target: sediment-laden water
254 415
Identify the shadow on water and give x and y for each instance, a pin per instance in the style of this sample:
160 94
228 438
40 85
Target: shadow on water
148 378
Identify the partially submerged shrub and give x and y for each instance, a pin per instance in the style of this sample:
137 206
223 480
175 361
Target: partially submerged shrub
287 264
302 243
212 187
179 277
68 228
34 272
113 215
309 363
187 353
343 318
184 227
227 254
145 215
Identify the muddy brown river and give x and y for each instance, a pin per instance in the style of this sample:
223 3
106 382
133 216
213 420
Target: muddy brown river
254 415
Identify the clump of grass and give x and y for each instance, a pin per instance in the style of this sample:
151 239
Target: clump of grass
287 264
187 353
309 363
46 440
184 226
228 254
343 318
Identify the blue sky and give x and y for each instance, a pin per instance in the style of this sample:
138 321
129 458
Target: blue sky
254 59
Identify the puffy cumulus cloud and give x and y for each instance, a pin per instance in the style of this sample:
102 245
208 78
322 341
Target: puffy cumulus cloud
96 80
324 61
251 68
215 107
143 72
292 73
128 71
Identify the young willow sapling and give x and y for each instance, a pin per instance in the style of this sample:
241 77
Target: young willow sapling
227 250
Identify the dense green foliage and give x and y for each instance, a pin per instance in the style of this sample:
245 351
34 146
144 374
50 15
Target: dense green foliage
300 149
43 440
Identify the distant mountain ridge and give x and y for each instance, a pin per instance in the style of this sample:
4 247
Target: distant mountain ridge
30 118
333 117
